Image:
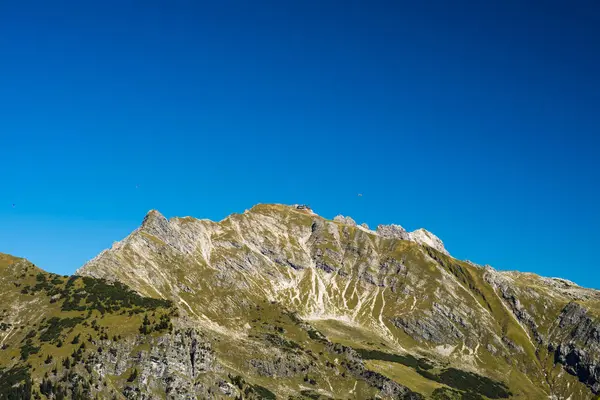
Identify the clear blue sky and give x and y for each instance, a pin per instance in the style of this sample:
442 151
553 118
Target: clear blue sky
477 120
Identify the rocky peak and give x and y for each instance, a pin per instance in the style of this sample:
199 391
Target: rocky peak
154 218
420 236
156 224
344 220
393 232
423 236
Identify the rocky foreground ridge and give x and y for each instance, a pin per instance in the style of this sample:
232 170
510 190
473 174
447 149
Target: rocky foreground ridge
279 302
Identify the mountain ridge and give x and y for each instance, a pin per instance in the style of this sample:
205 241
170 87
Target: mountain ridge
292 305
384 230
420 235
317 251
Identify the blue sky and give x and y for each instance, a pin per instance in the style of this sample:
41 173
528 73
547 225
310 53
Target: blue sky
477 121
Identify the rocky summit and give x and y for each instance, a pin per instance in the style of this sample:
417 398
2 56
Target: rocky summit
280 303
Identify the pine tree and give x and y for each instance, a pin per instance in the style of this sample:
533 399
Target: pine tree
133 376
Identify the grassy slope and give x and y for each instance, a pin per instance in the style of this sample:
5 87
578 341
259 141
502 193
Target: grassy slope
48 319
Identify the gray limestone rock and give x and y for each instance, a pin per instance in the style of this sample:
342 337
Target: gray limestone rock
344 220
393 232
173 364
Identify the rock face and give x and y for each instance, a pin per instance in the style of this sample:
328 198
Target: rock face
393 232
172 364
278 302
420 236
344 220
427 238
576 344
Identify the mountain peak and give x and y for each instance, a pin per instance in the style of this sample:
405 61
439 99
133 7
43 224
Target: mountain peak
153 215
393 232
154 222
423 236
267 280
344 220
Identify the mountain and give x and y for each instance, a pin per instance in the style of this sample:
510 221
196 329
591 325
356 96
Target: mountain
279 302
